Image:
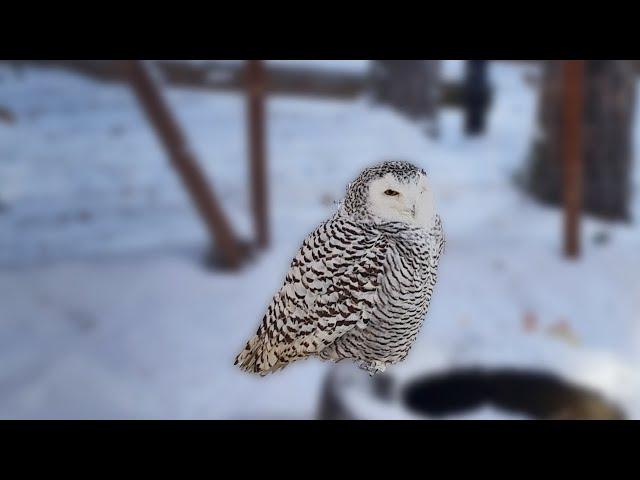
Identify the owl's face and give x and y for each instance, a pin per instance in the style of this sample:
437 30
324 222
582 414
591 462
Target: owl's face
407 199
393 191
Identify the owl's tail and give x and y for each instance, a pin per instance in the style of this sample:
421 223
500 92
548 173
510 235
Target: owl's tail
258 358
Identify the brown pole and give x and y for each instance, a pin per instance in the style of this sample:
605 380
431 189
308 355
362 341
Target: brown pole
256 86
155 106
573 94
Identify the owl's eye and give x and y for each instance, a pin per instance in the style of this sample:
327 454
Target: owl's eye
391 193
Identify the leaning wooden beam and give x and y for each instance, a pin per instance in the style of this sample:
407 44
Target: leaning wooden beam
572 151
155 106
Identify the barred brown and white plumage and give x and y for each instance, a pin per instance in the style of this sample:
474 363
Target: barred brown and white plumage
361 283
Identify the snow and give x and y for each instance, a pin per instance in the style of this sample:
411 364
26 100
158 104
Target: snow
106 310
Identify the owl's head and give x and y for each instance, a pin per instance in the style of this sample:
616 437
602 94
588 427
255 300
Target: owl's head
392 191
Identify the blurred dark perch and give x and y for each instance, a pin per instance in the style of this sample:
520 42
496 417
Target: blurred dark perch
535 394
513 391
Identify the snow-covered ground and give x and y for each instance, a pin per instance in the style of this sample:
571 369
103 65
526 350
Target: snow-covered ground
107 312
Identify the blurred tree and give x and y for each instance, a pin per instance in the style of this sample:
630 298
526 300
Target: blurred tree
412 87
608 112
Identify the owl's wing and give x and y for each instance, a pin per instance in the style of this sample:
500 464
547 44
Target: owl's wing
438 233
330 289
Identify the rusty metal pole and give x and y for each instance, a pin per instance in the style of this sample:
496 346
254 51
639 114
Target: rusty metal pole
155 106
573 102
256 86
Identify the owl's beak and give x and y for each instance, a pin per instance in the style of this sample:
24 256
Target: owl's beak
409 212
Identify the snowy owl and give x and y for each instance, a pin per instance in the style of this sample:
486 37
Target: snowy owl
361 283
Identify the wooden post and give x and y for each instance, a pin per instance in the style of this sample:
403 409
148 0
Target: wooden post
155 106
256 86
573 99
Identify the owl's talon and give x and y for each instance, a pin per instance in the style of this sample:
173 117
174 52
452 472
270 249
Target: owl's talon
372 367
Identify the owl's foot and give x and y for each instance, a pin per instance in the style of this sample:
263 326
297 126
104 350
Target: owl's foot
373 366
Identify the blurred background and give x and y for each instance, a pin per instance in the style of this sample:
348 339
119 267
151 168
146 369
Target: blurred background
149 211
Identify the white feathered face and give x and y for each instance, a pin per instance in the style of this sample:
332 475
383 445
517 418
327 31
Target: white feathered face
410 201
